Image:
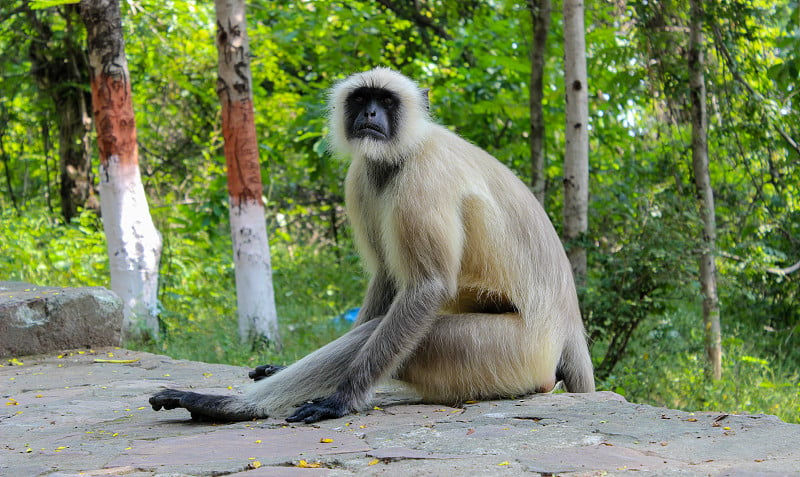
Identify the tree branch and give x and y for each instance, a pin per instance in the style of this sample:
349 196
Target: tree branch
785 271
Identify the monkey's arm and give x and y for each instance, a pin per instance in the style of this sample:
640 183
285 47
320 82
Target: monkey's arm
264 371
400 331
381 291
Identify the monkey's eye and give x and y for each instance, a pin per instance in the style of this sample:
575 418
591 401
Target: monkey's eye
387 102
358 99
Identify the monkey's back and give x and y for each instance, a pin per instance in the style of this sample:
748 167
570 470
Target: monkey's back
509 242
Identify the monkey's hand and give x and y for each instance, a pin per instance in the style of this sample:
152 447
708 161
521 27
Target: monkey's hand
264 371
202 407
329 408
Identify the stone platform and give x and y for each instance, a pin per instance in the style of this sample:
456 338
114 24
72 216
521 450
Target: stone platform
86 413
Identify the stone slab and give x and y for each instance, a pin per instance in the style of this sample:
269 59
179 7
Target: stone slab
76 413
37 319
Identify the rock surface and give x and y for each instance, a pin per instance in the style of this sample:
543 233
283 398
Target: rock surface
42 319
86 413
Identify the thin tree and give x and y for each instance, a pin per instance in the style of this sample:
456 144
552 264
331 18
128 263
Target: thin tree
258 319
134 245
540 18
576 154
705 194
59 66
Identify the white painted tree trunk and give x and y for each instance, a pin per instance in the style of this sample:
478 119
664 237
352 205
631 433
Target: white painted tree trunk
258 318
134 245
255 297
576 154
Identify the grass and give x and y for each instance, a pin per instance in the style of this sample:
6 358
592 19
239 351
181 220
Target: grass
665 363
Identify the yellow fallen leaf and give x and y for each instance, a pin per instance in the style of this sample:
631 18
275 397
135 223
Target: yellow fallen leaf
308 465
255 464
505 462
377 408
15 362
470 402
326 440
373 462
119 361
12 402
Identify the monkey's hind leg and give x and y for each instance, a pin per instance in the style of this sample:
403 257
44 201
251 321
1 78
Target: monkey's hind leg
205 407
480 356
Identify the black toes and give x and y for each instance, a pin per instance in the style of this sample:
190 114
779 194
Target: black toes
264 371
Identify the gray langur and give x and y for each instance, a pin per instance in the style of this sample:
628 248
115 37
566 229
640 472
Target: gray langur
471 295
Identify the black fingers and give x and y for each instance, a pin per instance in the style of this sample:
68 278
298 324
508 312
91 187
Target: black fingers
264 371
328 408
167 399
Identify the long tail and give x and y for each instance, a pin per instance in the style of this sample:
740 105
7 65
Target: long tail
575 367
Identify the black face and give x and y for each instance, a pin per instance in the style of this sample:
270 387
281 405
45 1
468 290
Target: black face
371 113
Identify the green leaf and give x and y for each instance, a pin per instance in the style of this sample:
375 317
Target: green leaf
42 4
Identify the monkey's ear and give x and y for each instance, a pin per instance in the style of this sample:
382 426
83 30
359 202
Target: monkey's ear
425 98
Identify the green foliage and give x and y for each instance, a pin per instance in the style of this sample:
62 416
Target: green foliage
35 249
312 287
664 366
42 4
638 273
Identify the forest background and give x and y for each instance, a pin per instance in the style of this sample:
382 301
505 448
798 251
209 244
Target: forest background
641 300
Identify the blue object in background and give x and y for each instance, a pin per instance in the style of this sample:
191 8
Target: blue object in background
349 315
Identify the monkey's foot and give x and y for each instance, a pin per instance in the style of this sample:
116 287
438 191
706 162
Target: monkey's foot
264 371
318 410
204 407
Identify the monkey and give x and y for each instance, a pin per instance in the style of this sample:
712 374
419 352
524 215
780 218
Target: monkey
470 295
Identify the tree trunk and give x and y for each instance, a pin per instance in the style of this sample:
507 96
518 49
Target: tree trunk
60 72
258 319
705 194
134 245
540 17
576 155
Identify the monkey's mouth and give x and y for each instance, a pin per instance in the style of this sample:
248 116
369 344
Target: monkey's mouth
371 130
